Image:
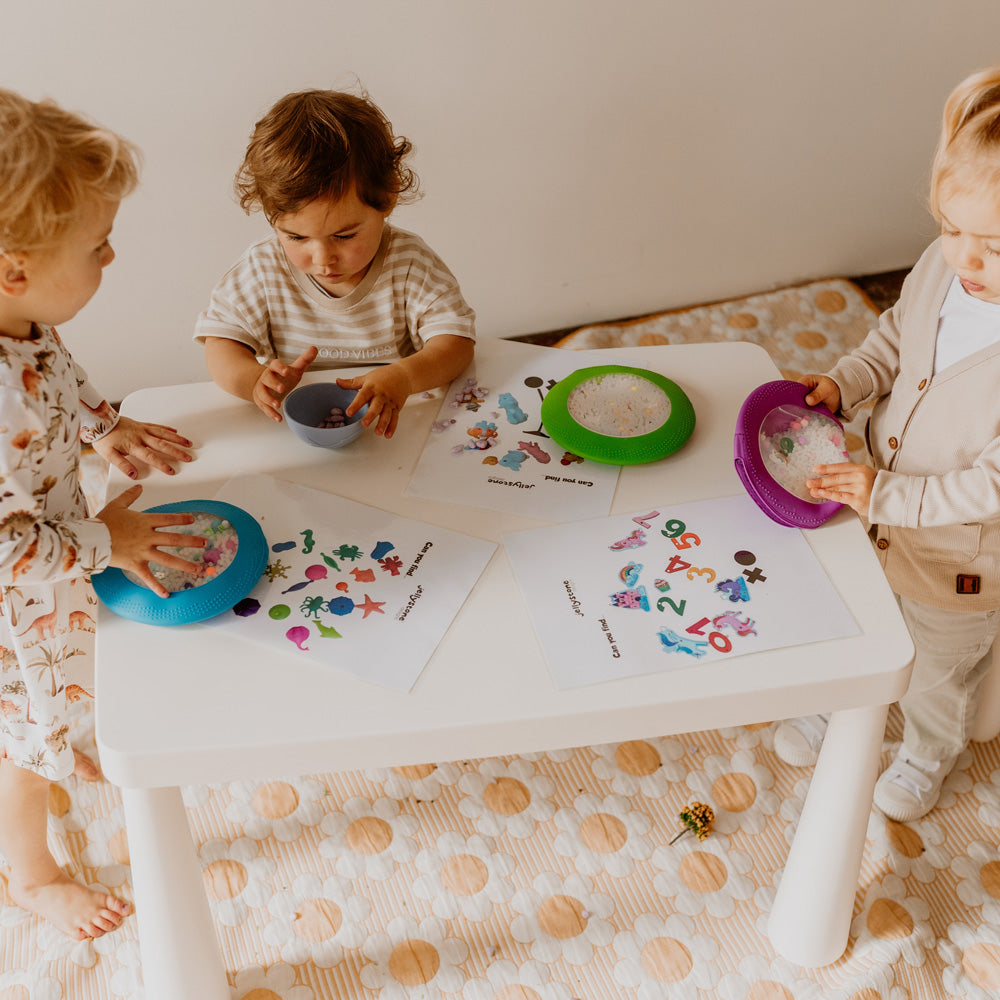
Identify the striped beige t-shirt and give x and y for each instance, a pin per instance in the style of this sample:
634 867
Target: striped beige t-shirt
407 297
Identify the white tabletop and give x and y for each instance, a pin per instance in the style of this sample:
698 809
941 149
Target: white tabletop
189 704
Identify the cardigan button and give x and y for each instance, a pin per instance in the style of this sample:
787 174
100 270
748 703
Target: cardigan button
893 443
883 544
922 384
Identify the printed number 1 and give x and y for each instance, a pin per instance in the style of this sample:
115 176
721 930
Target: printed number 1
717 640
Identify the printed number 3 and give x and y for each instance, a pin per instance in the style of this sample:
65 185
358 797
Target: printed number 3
694 571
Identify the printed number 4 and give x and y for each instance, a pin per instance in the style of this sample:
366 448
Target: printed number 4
677 564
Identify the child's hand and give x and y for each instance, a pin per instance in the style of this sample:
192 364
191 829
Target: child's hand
153 444
278 379
135 539
824 390
385 390
845 482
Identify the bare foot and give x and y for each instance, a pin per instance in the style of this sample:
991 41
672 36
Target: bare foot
85 769
74 908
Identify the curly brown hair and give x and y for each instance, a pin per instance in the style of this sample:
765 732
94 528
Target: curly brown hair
52 164
319 144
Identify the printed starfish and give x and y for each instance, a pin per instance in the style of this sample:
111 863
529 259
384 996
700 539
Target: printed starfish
369 606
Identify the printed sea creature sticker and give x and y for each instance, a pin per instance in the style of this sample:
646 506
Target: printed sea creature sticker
489 447
350 585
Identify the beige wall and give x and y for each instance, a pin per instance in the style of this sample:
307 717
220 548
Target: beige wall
580 160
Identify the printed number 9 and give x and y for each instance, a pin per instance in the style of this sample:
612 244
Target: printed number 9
673 528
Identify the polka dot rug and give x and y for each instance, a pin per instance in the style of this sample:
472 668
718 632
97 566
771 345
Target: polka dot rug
546 876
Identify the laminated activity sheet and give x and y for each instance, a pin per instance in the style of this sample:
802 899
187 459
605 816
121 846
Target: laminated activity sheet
350 585
488 448
671 588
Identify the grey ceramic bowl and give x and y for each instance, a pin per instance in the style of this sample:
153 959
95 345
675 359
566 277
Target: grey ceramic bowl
307 406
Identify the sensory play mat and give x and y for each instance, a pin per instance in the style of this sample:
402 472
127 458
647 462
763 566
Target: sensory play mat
488 447
350 585
669 588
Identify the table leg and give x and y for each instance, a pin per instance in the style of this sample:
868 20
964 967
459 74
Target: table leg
180 950
810 919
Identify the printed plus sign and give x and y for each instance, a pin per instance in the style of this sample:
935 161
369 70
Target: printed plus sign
753 575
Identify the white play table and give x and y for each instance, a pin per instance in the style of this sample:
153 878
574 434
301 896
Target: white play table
187 705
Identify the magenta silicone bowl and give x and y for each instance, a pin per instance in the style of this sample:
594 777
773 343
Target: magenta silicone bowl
307 406
771 419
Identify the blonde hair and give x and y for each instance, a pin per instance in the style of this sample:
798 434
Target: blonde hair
968 151
320 144
53 163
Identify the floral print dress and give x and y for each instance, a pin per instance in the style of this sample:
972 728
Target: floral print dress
48 548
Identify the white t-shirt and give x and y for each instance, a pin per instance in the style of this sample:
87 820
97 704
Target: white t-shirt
966 325
407 297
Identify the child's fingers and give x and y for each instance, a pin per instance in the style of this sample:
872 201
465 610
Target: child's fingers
126 498
171 561
267 395
375 407
168 434
393 424
269 408
152 458
305 359
837 469
362 395
145 575
173 449
157 521
386 420
120 462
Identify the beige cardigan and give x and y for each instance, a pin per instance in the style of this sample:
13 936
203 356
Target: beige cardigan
935 441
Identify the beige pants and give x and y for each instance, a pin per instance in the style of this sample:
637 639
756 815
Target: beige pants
952 657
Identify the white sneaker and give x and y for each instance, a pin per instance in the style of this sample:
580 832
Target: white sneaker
797 741
910 786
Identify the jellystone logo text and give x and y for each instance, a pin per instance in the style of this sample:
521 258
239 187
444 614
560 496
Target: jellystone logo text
573 602
414 597
357 353
507 482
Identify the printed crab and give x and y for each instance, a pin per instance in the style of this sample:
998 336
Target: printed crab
351 552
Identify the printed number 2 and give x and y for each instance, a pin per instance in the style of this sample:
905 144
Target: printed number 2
678 608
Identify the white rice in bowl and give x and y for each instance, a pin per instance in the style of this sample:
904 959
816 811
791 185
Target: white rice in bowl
619 404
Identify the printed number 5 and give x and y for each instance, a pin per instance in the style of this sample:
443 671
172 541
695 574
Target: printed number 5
686 540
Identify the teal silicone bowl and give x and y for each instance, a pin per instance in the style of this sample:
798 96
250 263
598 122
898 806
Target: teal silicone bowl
307 406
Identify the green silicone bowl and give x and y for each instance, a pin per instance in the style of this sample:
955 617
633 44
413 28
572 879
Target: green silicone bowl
622 448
